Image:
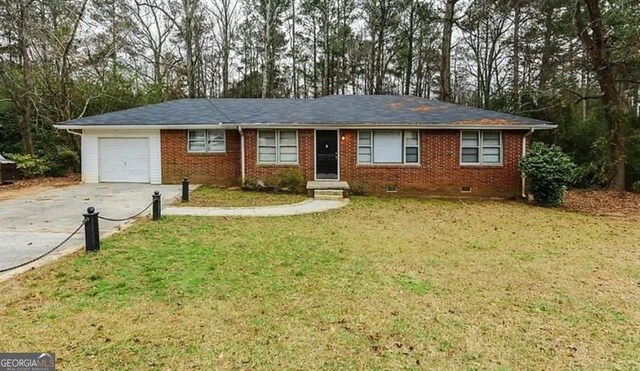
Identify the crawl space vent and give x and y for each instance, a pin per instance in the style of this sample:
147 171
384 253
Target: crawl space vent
465 189
391 189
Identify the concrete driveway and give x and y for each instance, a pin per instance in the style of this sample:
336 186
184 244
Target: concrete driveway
33 224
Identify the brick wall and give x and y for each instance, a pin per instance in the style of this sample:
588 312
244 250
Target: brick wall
263 171
206 168
439 172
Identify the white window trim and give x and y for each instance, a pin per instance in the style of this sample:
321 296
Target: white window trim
277 147
404 150
480 146
206 141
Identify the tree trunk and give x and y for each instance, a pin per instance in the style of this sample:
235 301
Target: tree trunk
545 66
267 43
25 103
293 50
445 59
407 79
516 56
593 36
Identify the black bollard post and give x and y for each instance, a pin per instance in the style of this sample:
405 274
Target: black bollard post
91 230
185 190
157 206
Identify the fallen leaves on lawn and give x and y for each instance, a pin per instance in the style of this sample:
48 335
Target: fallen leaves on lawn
603 202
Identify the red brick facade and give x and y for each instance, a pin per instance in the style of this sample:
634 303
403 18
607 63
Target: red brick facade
208 168
439 171
263 171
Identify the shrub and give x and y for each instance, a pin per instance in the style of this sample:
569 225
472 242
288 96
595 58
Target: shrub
636 186
31 166
63 162
253 184
549 171
358 190
288 180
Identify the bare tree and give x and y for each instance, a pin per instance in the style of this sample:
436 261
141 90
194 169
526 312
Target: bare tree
445 53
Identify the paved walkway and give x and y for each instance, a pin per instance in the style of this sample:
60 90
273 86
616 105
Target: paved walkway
305 207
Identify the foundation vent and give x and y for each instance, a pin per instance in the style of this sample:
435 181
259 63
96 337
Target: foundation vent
391 189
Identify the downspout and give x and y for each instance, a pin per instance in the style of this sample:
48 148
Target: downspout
524 153
242 170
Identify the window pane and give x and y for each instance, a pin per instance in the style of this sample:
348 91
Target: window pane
215 146
491 138
470 155
215 141
197 140
364 137
196 147
288 154
364 154
490 159
387 146
267 138
411 138
197 134
288 138
470 139
364 158
289 158
412 155
266 154
491 155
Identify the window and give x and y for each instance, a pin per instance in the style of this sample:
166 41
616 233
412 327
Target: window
481 147
278 146
206 141
388 146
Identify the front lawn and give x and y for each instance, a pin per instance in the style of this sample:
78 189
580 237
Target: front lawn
382 283
221 197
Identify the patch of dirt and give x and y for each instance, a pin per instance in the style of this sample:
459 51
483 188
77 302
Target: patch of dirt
27 187
605 203
422 109
395 105
485 122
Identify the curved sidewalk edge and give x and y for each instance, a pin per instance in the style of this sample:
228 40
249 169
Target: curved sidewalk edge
305 207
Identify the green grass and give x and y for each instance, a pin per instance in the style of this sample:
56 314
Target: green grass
221 197
381 284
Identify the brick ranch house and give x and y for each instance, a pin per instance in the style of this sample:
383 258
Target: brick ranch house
400 144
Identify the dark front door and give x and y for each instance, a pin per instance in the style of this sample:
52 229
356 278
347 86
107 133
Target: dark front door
326 154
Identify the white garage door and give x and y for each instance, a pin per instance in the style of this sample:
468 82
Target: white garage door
124 160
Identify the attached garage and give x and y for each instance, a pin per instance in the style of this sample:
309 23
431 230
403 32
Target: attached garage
121 156
123 160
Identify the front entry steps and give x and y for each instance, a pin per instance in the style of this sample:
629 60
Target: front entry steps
328 189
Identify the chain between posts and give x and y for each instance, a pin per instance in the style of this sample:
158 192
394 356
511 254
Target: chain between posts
46 253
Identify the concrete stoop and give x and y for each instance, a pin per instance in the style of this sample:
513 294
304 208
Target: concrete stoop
328 189
328 194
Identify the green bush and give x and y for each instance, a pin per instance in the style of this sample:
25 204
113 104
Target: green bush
253 184
288 180
63 162
635 187
358 190
549 171
31 166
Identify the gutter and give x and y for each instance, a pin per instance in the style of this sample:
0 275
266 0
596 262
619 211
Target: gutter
307 126
70 131
524 153
242 165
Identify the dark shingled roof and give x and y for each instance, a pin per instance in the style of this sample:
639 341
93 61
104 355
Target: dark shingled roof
331 110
